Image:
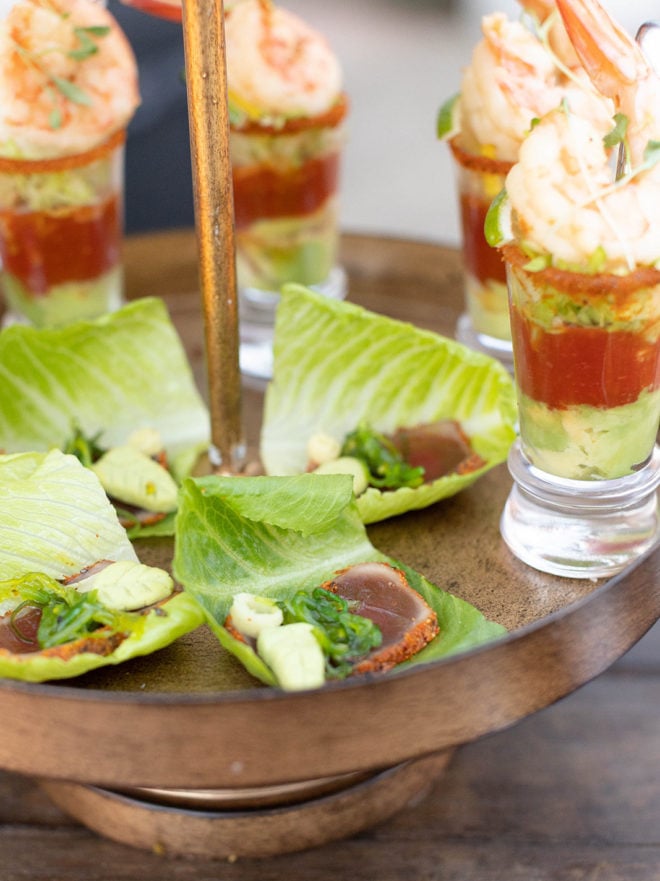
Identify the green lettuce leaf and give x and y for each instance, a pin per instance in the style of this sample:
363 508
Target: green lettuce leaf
177 616
247 534
110 376
56 519
336 365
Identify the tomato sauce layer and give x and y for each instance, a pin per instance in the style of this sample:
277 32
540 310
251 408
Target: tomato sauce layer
481 261
582 365
43 249
262 193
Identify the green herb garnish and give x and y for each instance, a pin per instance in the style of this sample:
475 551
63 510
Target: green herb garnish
86 40
387 467
74 615
539 263
344 636
71 91
617 138
66 614
651 154
87 46
618 133
85 449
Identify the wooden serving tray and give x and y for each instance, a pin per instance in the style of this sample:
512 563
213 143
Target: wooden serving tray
190 717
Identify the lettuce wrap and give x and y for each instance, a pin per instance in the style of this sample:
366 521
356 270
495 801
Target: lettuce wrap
105 378
55 522
273 536
336 365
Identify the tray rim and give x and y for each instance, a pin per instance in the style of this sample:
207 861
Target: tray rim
240 724
535 664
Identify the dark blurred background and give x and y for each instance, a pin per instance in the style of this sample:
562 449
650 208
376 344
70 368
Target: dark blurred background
158 172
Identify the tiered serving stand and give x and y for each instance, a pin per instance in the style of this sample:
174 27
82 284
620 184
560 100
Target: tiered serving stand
180 752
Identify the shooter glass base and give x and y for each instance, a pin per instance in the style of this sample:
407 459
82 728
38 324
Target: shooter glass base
482 342
580 528
257 322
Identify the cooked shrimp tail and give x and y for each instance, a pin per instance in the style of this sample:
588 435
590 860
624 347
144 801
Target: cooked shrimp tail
610 56
548 18
540 8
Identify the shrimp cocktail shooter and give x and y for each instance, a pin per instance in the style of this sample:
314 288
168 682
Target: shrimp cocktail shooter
287 110
583 256
516 74
68 88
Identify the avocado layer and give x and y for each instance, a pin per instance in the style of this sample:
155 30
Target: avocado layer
270 253
68 302
589 443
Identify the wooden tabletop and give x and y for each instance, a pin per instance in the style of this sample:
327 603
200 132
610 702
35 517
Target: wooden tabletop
569 794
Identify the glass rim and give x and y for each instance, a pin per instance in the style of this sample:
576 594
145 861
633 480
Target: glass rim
331 118
62 163
478 162
574 282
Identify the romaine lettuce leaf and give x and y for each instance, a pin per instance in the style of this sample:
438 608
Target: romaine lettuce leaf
56 519
110 376
336 365
176 616
247 534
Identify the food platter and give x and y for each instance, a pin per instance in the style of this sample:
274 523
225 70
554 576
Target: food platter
189 718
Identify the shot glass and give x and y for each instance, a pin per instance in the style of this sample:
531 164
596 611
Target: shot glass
286 206
485 323
61 227
586 467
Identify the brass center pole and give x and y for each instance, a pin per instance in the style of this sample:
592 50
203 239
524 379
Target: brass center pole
208 114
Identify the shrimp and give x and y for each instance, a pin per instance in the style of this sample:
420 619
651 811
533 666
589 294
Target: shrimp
68 78
564 199
617 67
542 9
547 14
511 80
277 66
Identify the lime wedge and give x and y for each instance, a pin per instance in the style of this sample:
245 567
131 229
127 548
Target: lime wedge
497 227
447 123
